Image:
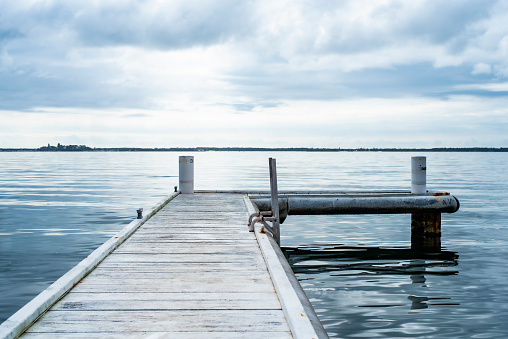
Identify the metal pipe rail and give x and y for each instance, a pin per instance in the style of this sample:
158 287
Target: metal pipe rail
361 204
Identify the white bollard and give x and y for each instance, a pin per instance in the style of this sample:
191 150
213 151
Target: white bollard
186 174
418 175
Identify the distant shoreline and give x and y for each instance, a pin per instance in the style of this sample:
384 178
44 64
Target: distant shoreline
82 148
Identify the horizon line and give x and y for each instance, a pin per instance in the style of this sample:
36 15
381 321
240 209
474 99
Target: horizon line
84 148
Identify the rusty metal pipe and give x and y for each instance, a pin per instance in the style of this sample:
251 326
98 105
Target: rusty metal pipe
363 205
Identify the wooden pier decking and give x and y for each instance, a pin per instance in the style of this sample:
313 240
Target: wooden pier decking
193 270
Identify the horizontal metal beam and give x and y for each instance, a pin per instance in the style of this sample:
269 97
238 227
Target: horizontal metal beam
362 204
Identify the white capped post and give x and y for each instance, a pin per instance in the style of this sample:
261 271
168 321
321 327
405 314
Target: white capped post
186 174
418 175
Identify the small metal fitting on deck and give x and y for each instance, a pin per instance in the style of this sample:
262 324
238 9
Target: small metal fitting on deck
262 217
140 213
176 188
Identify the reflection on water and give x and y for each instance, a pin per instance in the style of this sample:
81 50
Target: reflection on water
378 282
335 257
337 261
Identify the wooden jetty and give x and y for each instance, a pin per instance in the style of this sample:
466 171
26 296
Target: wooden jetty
190 269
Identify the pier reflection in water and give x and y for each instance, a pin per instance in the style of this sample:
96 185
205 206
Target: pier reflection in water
376 289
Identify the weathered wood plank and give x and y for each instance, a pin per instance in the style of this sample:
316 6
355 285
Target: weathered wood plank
198 215
216 200
187 248
205 243
161 305
163 335
225 224
232 233
205 221
209 276
183 258
167 301
208 236
162 280
201 237
201 228
175 286
262 297
208 209
178 320
178 267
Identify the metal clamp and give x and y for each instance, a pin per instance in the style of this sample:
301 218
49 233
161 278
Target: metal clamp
261 217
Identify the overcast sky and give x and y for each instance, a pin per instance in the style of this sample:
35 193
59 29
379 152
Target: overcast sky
356 73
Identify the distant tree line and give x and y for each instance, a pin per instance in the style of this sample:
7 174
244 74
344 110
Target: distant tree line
84 148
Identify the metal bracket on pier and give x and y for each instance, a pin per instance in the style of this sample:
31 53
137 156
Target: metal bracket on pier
261 217
272 215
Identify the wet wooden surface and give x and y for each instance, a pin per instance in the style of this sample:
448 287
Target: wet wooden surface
192 271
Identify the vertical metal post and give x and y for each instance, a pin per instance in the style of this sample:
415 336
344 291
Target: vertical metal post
425 227
275 199
418 175
186 174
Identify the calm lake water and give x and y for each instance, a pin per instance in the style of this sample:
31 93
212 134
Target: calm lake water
358 271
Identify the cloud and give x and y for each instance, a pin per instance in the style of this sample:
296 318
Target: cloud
8 34
388 33
148 24
492 87
164 25
481 68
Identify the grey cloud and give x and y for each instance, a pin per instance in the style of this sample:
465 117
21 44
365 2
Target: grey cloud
309 26
38 37
9 34
162 25
478 93
442 21
171 25
251 106
335 29
448 27
334 85
415 80
244 107
135 115
24 89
